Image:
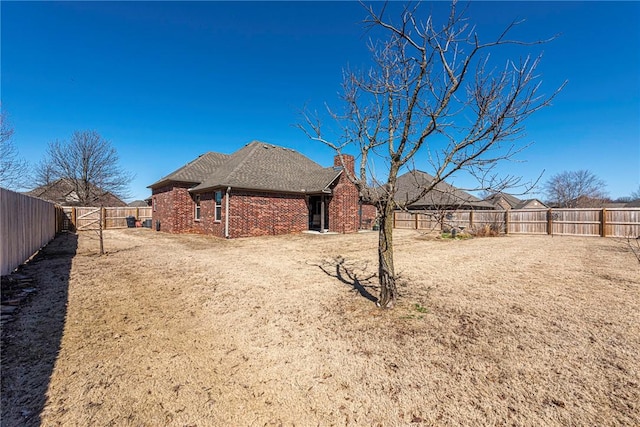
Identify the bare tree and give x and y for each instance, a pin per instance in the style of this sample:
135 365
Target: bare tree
635 195
90 163
432 91
44 173
14 170
575 189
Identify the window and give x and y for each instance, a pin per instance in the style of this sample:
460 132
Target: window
197 211
218 211
154 203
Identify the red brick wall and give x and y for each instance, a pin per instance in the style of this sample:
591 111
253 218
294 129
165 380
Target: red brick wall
368 217
251 213
207 224
260 214
173 207
349 162
255 213
343 207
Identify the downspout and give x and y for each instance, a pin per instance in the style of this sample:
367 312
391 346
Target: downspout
226 213
322 225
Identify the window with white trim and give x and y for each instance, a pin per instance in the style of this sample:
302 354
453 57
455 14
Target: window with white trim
218 206
197 208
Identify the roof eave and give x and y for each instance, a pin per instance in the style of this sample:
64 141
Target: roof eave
165 182
215 187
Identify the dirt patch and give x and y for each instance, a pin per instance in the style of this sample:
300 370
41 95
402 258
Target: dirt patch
194 330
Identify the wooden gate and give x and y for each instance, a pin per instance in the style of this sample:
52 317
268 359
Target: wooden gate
87 218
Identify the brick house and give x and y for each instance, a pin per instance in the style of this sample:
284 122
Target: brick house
63 192
443 197
261 189
507 201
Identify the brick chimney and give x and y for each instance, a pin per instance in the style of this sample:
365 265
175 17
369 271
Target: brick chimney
349 162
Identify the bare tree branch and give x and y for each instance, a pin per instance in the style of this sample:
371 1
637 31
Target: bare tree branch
14 170
575 189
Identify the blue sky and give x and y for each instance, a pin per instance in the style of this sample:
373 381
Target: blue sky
167 81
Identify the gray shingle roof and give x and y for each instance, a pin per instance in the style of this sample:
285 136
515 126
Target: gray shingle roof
195 171
262 166
523 204
512 201
256 166
409 186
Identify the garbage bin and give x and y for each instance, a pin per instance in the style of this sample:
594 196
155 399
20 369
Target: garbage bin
131 221
146 223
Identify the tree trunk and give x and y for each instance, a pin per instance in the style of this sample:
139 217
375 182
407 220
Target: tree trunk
386 272
100 232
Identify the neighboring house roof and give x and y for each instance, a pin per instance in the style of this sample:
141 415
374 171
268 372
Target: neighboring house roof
256 166
138 204
509 201
409 186
530 203
633 204
62 191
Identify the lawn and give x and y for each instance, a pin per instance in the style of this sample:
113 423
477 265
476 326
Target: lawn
187 330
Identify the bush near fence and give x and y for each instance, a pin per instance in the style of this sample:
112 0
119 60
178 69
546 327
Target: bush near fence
614 222
88 218
26 225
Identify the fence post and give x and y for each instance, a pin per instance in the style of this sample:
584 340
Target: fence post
394 218
416 221
506 221
74 217
103 217
470 219
549 222
59 219
603 223
137 213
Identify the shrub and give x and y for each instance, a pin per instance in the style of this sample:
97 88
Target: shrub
486 230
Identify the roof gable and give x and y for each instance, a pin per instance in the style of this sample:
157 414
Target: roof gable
509 199
530 204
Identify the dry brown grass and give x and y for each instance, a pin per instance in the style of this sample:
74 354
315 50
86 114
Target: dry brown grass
192 330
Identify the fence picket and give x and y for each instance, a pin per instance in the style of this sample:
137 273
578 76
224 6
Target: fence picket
87 217
610 222
26 225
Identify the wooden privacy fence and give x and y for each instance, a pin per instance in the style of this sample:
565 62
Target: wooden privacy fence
26 225
615 222
88 218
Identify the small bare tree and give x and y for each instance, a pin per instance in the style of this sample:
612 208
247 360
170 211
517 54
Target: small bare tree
89 163
575 189
431 91
14 170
